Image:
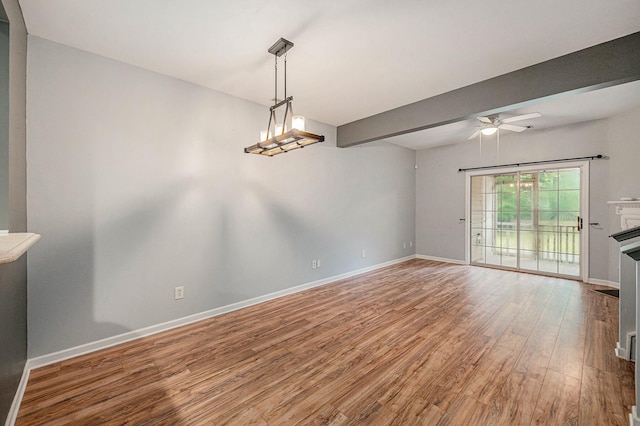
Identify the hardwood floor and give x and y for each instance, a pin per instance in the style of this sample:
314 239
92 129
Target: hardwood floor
418 343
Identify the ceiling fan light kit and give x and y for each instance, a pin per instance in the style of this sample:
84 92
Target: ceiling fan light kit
488 131
289 134
491 125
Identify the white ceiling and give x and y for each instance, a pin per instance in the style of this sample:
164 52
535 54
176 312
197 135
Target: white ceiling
352 58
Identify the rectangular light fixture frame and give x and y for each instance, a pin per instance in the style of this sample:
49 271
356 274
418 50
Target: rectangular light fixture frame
285 142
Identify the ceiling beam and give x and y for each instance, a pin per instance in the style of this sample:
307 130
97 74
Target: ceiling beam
603 65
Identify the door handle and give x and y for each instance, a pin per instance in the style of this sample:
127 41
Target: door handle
579 223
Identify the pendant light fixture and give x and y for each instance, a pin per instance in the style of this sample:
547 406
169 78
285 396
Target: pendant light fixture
288 134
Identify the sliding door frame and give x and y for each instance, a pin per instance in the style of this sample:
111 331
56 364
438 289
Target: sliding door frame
584 206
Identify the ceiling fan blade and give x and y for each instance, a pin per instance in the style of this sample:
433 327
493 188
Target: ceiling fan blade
474 135
512 127
484 119
521 117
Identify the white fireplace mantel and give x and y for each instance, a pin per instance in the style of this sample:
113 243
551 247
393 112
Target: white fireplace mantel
629 212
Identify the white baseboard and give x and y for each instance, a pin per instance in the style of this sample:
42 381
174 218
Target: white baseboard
634 420
62 355
441 259
17 398
603 282
65 354
621 352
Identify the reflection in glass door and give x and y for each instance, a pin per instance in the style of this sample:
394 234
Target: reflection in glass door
527 221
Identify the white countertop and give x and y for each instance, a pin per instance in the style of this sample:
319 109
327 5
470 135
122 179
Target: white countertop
14 245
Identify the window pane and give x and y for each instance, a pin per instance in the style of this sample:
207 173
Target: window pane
547 263
568 219
488 237
547 221
493 256
477 236
505 239
548 200
569 179
570 200
528 240
478 185
526 201
507 201
506 183
483 202
526 220
548 180
547 241
528 260
506 220
489 184
509 260
477 254
570 268
569 243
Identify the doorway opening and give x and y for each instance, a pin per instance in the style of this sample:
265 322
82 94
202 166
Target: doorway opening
529 219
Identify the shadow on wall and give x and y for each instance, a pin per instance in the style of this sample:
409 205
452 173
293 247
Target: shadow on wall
98 260
144 384
269 249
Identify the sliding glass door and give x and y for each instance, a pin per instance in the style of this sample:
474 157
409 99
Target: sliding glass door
527 220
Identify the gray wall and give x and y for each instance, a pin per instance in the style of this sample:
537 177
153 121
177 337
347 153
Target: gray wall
13 276
440 198
138 183
13 330
4 125
624 173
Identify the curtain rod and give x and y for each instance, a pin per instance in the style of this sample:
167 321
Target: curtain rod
592 157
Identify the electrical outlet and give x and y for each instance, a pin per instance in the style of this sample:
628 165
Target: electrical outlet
411 243
178 293
364 253
318 263
314 264
404 245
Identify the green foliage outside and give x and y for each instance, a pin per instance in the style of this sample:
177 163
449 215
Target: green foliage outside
558 201
548 223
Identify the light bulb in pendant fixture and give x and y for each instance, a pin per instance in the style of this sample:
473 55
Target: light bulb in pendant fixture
264 135
488 131
279 129
297 122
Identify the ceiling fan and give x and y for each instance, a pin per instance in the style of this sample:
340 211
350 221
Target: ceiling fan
492 124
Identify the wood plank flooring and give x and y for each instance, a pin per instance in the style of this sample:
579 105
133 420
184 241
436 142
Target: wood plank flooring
418 343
